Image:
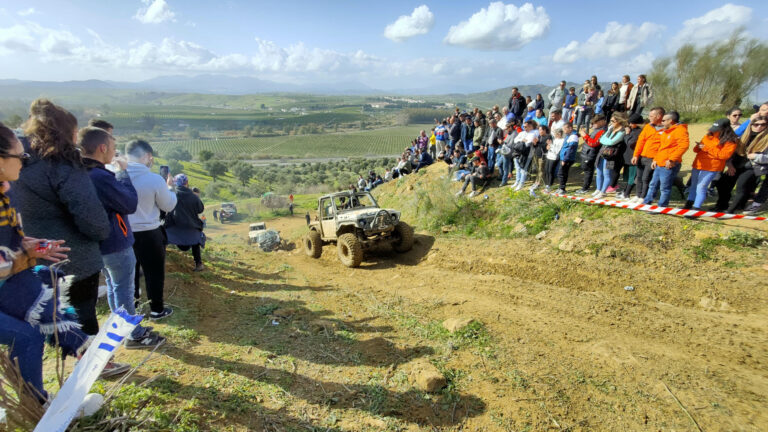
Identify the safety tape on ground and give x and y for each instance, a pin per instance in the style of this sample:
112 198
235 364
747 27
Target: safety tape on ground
662 210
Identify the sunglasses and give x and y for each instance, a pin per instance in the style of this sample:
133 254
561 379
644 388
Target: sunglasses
735 115
22 156
759 124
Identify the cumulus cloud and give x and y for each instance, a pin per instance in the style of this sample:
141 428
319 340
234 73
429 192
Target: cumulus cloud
500 27
26 12
419 22
716 24
617 40
157 12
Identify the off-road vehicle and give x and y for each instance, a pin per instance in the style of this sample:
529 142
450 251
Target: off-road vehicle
254 230
228 210
355 223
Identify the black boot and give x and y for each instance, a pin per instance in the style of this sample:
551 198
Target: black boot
688 205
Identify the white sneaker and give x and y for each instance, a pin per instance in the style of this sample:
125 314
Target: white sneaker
474 194
518 187
459 193
513 185
599 195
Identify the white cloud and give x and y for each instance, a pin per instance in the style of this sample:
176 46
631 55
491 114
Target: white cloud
419 22
157 12
26 12
617 40
500 27
716 24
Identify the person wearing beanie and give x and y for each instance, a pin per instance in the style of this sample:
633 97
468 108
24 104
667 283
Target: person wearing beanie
183 223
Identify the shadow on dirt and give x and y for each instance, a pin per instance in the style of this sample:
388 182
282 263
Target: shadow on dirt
385 257
442 409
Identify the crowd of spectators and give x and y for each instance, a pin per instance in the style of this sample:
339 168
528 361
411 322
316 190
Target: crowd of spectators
89 211
633 158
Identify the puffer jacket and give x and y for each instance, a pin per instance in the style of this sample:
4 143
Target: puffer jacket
58 201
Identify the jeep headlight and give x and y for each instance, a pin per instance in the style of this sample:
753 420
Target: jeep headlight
394 217
362 223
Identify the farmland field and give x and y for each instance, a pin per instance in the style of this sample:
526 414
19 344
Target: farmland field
390 141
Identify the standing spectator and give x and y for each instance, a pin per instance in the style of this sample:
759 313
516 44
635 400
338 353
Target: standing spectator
762 111
441 136
467 134
478 178
600 104
505 117
632 133
556 120
28 310
539 149
538 103
154 195
673 144
361 183
586 109
571 102
645 150
455 131
593 82
608 153
433 144
215 215
715 148
505 154
624 92
552 158
640 96
184 227
557 96
119 199
423 140
589 152
611 101
754 148
523 143
479 133
494 137
567 155
516 103
58 200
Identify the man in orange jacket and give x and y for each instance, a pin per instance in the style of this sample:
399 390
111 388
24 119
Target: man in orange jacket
645 150
666 164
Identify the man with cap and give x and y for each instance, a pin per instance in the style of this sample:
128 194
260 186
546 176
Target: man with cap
631 134
666 164
183 225
478 177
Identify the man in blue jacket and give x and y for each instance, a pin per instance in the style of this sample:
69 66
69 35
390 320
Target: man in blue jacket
119 199
567 154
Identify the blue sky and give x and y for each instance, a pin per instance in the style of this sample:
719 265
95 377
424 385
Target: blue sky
392 45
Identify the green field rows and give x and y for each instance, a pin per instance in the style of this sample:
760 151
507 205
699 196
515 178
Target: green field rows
368 143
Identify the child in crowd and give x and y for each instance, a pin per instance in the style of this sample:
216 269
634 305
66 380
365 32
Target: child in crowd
571 101
553 157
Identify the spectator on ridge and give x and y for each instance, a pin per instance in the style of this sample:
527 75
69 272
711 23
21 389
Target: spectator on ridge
631 134
184 227
608 153
58 201
624 92
516 104
714 149
552 158
571 102
155 195
539 149
589 152
467 134
119 199
523 143
611 101
645 150
478 178
494 137
640 96
538 103
567 155
666 164
754 150
557 96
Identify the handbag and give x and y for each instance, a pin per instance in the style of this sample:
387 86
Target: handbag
608 152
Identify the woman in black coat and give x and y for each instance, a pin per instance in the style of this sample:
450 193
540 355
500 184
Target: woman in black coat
183 225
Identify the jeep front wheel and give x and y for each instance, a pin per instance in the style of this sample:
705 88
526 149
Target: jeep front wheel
403 237
350 250
313 245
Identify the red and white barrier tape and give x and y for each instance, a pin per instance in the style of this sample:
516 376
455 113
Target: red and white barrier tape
662 210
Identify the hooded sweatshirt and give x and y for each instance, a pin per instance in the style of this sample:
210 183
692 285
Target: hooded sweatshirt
154 196
713 156
673 144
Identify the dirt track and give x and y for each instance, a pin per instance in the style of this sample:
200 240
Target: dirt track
572 350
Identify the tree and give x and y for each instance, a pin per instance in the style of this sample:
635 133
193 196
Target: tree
179 153
205 155
272 201
243 171
215 168
192 133
157 130
175 166
14 121
698 80
247 130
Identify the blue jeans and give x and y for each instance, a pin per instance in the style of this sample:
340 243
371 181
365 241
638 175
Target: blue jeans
468 146
26 343
603 175
491 158
700 181
119 270
520 172
504 165
663 179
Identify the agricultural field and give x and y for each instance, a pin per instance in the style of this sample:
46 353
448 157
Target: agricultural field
380 142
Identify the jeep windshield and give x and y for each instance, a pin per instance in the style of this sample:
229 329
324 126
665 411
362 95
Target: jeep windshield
354 201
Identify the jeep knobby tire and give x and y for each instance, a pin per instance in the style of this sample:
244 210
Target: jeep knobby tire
403 237
313 245
350 250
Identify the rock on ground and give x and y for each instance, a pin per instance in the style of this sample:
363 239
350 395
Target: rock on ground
426 377
455 324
